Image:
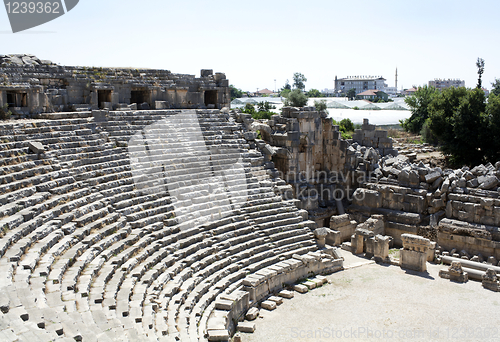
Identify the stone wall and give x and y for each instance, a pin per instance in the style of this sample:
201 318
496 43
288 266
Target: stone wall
369 136
322 168
31 86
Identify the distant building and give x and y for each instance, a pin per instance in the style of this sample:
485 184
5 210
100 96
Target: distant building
410 91
393 91
265 92
359 83
328 92
372 94
443 84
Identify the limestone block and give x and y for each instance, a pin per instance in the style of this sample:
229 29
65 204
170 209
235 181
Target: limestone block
286 294
431 177
300 288
246 327
277 300
455 273
413 260
36 147
252 314
218 335
487 182
490 280
415 243
268 305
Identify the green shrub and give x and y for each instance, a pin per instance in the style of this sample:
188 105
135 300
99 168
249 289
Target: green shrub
5 113
320 105
296 99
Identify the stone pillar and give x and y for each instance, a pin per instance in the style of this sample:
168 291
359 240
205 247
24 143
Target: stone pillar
413 255
381 248
320 235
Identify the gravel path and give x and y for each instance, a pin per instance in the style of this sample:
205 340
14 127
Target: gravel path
373 302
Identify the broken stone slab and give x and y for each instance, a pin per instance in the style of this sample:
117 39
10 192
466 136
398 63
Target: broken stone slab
311 285
246 327
300 288
286 294
455 273
277 300
487 182
36 147
431 177
252 314
268 305
218 335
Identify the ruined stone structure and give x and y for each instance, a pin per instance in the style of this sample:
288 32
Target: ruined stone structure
32 86
458 209
90 250
162 225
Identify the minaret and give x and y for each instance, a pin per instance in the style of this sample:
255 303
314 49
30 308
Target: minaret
396 79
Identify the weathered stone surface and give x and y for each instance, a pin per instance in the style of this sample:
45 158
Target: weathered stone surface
268 305
252 314
36 147
246 327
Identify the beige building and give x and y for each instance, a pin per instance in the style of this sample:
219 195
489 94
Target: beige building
443 84
360 83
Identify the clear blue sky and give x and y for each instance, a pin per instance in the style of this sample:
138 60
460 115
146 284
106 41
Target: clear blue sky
256 42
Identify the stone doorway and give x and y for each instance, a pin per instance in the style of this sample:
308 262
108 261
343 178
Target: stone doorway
17 99
140 96
211 98
103 96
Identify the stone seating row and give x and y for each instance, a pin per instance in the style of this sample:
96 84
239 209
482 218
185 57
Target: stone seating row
86 250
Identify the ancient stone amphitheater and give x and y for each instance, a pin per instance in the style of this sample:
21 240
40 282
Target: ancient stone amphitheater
85 254
120 224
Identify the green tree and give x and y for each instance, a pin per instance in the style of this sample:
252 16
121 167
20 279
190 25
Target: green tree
458 120
346 125
480 71
299 81
287 86
351 94
492 146
496 87
419 105
249 109
296 99
285 93
235 92
314 93
265 106
320 105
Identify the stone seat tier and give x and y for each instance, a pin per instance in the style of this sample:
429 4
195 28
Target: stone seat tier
110 259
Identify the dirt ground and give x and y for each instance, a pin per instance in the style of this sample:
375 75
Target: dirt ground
371 302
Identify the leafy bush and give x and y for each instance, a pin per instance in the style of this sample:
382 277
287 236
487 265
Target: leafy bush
320 105
262 113
346 125
5 113
355 108
296 99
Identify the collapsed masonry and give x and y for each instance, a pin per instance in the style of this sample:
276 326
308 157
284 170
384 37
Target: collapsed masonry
29 85
458 209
